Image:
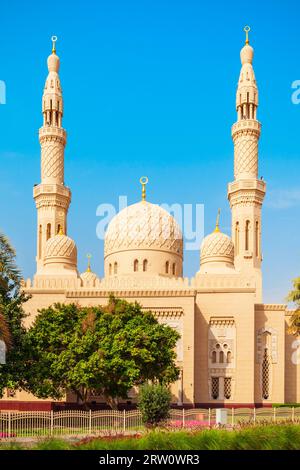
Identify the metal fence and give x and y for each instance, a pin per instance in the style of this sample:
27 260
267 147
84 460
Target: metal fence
15 424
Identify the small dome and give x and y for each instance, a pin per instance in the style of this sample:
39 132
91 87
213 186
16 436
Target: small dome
60 248
247 54
217 251
53 63
89 278
143 226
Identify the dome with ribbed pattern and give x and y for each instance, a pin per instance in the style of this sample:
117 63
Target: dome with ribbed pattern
60 248
217 250
143 226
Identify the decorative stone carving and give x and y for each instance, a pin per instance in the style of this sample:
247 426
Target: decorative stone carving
267 338
142 226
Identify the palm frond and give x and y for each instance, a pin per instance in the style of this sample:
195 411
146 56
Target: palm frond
10 275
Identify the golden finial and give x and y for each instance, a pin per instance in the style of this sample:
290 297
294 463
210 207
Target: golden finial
217 229
61 231
54 39
144 180
88 269
247 29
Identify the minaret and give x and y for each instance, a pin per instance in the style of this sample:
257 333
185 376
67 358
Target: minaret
51 196
247 192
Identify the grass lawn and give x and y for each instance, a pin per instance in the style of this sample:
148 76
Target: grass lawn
266 437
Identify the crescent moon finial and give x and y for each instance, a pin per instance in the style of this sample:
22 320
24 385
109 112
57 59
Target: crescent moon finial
53 39
144 180
247 29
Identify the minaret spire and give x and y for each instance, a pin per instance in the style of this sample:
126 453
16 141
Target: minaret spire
217 229
247 192
144 180
51 196
247 30
54 39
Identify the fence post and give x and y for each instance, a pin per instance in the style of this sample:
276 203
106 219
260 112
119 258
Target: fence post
232 417
9 424
51 423
209 416
293 413
274 414
254 415
124 420
90 422
183 418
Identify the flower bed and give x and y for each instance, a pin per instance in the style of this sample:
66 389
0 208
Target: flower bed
191 424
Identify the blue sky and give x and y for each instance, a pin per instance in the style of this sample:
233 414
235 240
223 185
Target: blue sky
149 88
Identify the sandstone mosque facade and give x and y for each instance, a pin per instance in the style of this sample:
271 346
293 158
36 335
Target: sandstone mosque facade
234 349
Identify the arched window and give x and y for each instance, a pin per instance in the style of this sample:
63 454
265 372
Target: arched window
257 239
229 357
115 267
136 265
221 357
167 267
247 234
110 269
237 238
265 379
145 264
214 357
58 228
48 231
40 242
174 269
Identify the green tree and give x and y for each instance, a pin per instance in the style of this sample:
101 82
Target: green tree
11 317
154 403
294 296
105 350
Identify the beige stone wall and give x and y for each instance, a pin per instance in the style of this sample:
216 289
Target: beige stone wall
238 306
190 312
269 326
124 263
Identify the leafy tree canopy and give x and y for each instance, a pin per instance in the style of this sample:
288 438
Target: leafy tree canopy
104 350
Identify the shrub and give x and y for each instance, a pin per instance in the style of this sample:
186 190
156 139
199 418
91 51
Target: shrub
154 402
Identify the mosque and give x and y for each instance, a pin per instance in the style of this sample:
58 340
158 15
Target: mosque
234 350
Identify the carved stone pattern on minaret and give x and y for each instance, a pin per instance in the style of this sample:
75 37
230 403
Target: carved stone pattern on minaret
52 201
55 136
246 198
53 161
246 156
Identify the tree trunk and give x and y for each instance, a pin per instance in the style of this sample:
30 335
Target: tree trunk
112 402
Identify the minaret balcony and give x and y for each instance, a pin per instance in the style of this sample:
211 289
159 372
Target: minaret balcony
52 131
45 189
250 125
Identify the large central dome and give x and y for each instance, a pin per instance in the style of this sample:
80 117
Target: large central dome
143 237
